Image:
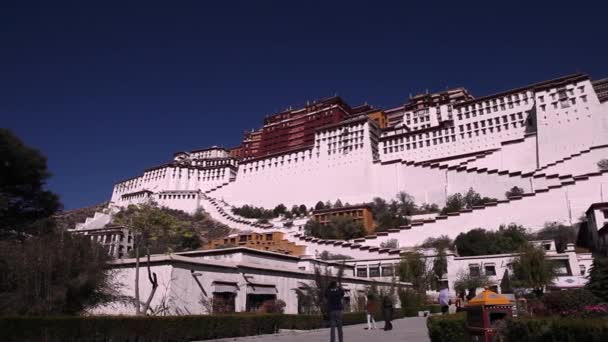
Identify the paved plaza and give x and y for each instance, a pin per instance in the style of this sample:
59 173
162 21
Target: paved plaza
404 330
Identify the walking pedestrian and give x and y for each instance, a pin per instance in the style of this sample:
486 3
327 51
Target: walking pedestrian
370 309
444 300
387 312
334 296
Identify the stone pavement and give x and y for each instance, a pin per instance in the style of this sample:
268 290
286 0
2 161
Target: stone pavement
404 330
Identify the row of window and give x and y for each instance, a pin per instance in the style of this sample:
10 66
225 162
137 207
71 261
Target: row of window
563 103
490 122
420 144
176 196
513 99
375 271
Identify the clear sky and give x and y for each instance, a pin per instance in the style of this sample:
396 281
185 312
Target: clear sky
106 89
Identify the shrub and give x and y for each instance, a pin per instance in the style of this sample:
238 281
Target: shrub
153 329
556 329
141 329
448 328
570 302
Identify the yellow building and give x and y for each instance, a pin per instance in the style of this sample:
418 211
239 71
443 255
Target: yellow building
379 117
271 241
360 213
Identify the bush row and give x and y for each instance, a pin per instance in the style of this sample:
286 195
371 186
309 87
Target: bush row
153 329
556 329
140 329
448 328
452 328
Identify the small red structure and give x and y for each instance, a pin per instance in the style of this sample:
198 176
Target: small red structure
484 312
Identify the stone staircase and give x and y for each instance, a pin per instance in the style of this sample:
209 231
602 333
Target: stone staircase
97 221
221 212
442 223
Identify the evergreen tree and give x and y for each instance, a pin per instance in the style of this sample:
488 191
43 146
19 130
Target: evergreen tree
598 278
338 204
320 205
279 210
25 206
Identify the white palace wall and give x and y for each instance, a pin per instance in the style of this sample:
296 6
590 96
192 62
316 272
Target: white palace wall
566 119
338 166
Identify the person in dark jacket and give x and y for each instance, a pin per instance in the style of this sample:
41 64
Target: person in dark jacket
334 296
387 312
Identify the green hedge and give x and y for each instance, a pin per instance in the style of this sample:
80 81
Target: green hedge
556 329
140 329
153 329
448 328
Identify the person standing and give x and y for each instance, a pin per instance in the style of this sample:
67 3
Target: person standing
370 309
444 300
335 295
387 312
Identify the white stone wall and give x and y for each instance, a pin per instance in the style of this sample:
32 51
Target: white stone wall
181 294
566 121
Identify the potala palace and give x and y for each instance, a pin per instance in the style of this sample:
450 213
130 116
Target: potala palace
546 138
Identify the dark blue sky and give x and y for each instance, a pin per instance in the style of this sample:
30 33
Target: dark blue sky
105 89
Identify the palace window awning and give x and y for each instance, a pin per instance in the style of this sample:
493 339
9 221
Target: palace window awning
225 287
261 289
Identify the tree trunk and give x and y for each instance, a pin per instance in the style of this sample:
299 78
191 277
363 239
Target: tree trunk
137 306
153 280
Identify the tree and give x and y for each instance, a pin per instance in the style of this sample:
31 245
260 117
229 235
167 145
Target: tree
320 205
303 210
481 242
295 210
603 164
325 255
453 204
470 282
427 208
338 204
442 242
440 268
407 206
148 223
25 206
390 243
279 210
472 198
338 228
532 270
413 269
598 278
505 283
515 191
54 274
313 294
561 234
386 215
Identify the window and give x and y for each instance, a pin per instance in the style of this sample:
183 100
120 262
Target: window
490 270
387 271
583 269
562 268
374 272
362 272
474 270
